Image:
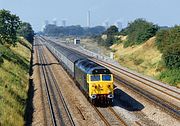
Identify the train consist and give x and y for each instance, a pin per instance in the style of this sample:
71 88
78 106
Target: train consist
94 80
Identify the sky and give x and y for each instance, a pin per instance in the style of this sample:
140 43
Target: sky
161 12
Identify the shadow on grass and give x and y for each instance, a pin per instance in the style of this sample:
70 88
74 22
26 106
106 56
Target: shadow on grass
18 98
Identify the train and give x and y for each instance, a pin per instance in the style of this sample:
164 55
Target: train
94 80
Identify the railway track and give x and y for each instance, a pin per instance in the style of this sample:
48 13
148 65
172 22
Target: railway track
163 95
41 76
59 111
109 116
166 97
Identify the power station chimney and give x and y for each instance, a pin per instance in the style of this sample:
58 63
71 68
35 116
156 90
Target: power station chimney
88 19
64 23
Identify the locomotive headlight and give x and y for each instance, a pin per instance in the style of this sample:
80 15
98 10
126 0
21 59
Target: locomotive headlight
93 96
110 96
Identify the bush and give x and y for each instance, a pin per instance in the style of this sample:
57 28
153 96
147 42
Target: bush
168 42
138 61
113 30
171 56
165 38
107 42
170 76
127 44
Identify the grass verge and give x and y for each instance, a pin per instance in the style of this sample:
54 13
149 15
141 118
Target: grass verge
14 79
147 59
170 76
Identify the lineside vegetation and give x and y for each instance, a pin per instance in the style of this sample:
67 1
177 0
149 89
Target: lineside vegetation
15 53
167 42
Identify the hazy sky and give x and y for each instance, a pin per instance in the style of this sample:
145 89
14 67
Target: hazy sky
162 12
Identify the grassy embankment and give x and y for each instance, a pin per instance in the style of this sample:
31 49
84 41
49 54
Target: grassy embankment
14 79
146 59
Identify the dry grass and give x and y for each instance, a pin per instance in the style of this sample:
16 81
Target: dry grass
21 49
143 58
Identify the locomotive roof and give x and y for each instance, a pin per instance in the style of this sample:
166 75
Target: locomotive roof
91 67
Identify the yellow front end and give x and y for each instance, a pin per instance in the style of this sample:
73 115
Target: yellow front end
100 84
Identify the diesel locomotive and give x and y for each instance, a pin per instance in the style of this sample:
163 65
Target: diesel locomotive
95 81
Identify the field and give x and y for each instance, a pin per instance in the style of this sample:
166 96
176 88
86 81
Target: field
14 79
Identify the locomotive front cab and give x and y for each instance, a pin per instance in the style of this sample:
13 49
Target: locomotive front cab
100 87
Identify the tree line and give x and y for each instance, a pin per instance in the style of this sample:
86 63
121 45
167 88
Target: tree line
77 30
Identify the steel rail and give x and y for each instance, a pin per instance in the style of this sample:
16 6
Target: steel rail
60 94
47 91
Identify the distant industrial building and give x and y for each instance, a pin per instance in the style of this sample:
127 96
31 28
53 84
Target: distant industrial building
76 41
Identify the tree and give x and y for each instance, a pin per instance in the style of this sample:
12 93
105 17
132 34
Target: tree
113 30
9 24
167 37
139 31
172 56
26 31
168 42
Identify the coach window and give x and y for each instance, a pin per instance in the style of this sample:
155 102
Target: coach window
95 78
106 77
